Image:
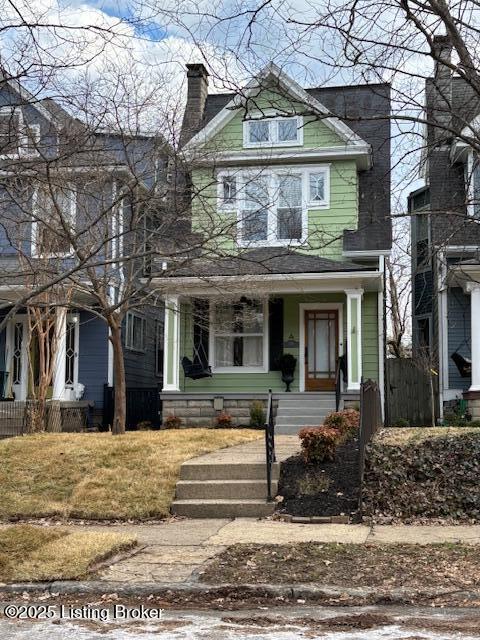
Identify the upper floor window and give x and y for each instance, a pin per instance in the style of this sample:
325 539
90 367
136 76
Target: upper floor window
271 205
278 132
54 214
422 244
16 137
135 332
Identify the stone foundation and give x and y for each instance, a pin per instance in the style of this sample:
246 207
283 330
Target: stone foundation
201 413
473 403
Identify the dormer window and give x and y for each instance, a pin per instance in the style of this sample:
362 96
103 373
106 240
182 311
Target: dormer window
16 137
274 131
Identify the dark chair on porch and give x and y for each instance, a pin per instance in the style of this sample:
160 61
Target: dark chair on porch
195 370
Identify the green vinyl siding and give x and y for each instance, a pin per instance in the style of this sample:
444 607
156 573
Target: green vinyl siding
255 382
316 134
370 332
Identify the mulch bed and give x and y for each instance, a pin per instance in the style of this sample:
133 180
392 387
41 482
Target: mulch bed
349 565
327 489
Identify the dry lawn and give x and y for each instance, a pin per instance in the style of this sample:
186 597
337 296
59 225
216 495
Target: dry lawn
401 436
29 553
100 476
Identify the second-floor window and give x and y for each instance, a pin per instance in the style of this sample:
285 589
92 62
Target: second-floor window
271 205
54 214
16 137
279 131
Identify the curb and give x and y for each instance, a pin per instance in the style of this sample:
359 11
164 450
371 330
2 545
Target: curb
314 519
297 592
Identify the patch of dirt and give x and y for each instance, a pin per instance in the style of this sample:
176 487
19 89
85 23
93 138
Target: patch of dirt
327 489
445 566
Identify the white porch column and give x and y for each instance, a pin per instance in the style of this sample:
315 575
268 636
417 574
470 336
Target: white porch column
474 289
59 370
171 344
354 338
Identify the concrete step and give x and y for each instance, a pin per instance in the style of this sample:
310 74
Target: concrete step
223 489
230 471
300 402
304 411
223 508
290 429
300 420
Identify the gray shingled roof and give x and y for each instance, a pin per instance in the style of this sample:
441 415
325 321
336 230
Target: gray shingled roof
264 261
366 110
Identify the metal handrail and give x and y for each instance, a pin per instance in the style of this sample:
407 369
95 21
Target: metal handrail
338 384
269 444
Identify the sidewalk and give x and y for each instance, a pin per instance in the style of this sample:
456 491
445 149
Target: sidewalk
173 552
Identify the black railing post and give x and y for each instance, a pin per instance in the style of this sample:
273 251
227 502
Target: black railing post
269 444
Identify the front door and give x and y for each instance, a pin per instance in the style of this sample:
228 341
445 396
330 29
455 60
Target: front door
321 349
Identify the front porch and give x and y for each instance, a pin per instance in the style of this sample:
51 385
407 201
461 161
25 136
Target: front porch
238 340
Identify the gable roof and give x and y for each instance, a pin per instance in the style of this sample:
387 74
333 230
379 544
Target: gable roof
273 76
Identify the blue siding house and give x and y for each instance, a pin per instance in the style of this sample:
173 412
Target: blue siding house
38 139
446 239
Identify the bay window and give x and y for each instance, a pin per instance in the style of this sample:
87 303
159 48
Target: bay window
271 204
238 336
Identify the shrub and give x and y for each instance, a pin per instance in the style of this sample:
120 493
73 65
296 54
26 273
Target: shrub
347 422
224 421
172 422
401 422
257 414
144 425
319 444
436 477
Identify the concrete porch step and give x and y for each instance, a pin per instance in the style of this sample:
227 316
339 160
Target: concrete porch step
221 489
307 402
304 411
254 508
227 471
300 420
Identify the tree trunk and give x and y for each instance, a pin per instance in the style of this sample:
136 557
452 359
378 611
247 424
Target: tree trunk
119 414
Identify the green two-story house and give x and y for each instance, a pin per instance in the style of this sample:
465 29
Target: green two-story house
290 206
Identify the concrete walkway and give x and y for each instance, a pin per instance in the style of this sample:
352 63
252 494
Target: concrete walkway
175 551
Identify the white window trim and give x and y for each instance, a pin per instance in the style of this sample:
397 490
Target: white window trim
211 349
272 173
133 314
273 132
23 138
36 253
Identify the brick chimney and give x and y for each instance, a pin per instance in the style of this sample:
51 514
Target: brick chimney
197 79
442 85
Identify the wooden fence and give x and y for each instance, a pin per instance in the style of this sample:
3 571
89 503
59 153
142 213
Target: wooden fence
408 392
142 404
370 417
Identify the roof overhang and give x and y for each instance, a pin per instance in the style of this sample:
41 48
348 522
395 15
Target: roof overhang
271 283
463 275
362 154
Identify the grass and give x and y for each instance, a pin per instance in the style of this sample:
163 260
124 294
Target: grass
100 476
29 553
401 436
348 565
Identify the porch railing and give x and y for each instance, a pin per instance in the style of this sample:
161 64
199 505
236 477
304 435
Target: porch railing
269 444
340 372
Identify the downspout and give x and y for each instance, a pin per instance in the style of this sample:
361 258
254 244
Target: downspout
381 315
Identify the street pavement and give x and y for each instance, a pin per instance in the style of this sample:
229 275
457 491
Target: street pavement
287 623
